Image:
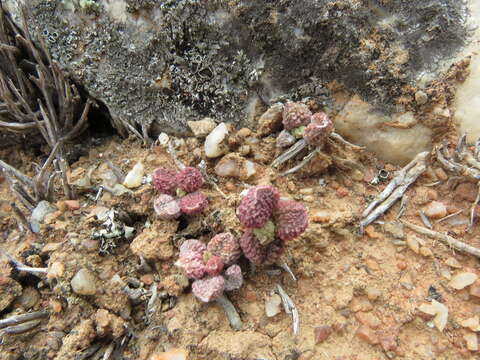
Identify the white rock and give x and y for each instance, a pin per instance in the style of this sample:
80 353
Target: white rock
462 280
214 143
360 123
472 341
273 305
134 177
163 139
438 310
83 283
436 210
472 323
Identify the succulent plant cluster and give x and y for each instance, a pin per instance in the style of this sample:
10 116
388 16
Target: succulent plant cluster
269 221
299 122
212 266
179 192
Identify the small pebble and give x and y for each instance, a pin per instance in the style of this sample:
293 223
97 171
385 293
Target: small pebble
452 262
367 334
373 293
371 233
462 280
173 354
426 251
273 305
320 216
202 128
413 244
472 341
421 97
435 210
134 177
83 283
214 143
322 333
475 289
309 198
244 132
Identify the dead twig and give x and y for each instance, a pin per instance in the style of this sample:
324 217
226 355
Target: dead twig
230 311
20 328
18 319
290 309
22 267
394 190
450 241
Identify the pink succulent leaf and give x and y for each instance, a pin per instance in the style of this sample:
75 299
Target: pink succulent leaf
226 246
214 266
164 181
291 219
318 130
252 249
208 289
194 203
233 278
167 207
192 246
189 179
257 206
295 114
193 265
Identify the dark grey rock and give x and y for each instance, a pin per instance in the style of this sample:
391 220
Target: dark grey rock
158 64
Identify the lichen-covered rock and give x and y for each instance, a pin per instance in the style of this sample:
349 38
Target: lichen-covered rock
257 206
291 219
226 246
189 179
194 203
161 63
208 289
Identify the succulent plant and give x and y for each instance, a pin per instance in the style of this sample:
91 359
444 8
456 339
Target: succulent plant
192 245
295 114
226 247
318 130
257 206
252 249
208 289
167 207
193 264
194 203
189 179
164 181
291 219
214 266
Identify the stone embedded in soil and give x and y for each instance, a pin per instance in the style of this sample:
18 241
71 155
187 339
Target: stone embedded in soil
438 310
395 229
360 304
215 141
368 319
462 280
273 305
271 120
202 128
322 333
155 242
235 166
413 244
173 354
134 177
39 213
367 334
84 282
471 340
454 263
373 293
472 323
466 191
435 210
475 289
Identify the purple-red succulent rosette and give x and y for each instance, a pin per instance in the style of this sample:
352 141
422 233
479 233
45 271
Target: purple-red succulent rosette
211 266
269 222
179 192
